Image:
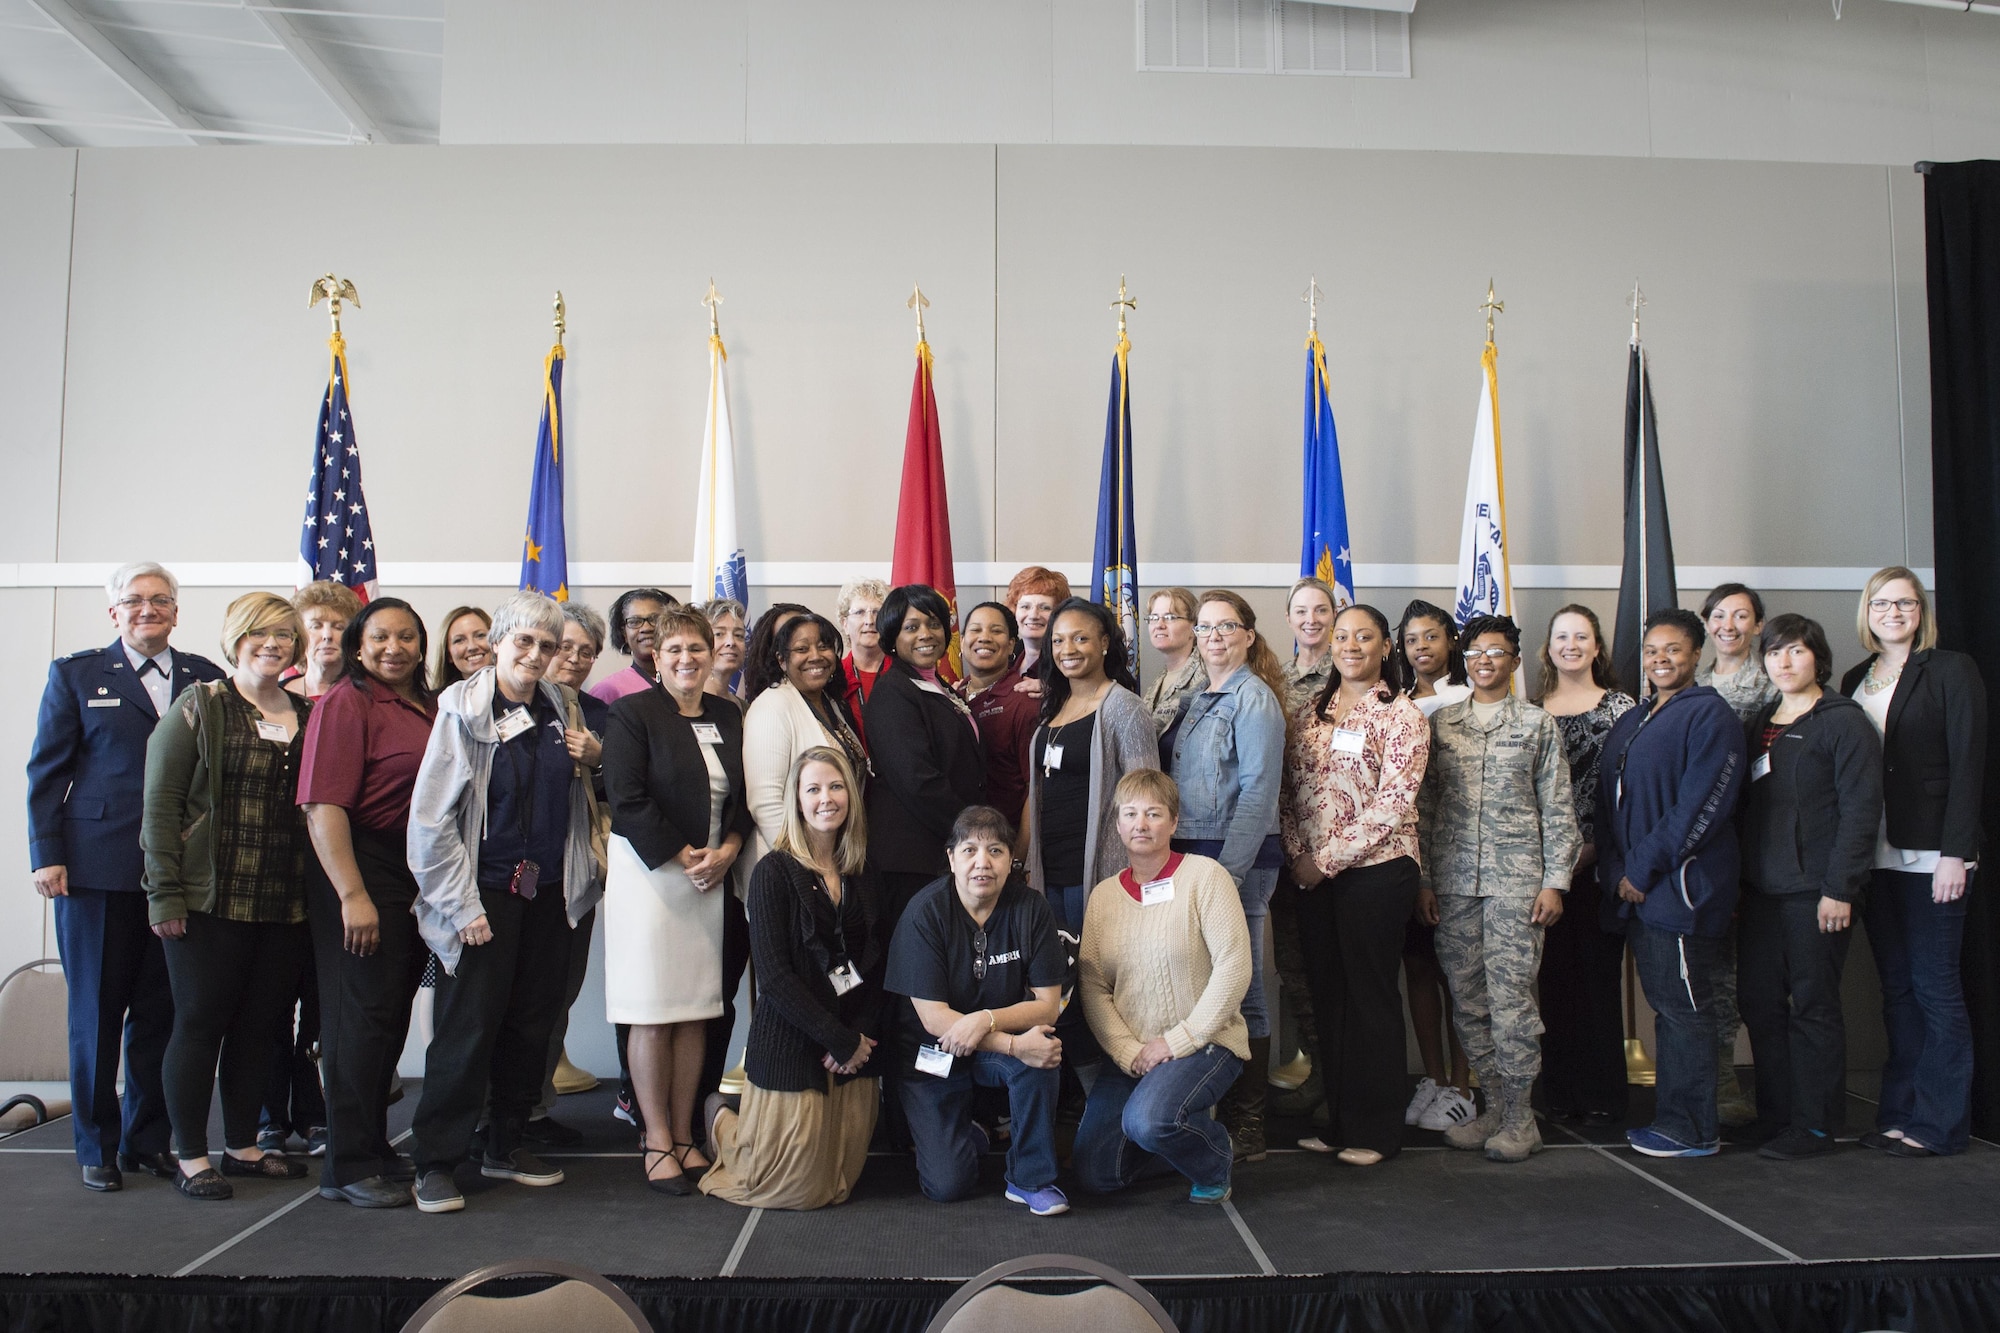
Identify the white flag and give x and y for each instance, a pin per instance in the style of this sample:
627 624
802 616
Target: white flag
719 567
1485 587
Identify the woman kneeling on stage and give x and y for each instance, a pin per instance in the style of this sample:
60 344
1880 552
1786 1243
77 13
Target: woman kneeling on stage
499 843
801 1136
1174 1048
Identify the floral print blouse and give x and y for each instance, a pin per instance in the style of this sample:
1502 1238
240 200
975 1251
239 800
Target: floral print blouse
1583 742
1347 804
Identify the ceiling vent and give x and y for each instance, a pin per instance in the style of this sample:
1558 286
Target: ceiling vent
1275 37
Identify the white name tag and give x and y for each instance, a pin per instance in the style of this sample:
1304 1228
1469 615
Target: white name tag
931 1060
102 703
708 733
1762 767
844 978
1346 740
1052 758
513 722
1156 891
272 731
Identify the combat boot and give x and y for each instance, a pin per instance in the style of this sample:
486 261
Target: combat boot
1472 1135
1732 1108
1518 1137
1242 1108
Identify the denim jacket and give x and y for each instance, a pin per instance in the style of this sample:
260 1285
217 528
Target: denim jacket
1229 759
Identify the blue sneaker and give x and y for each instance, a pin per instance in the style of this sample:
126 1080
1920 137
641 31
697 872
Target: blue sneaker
1045 1202
1209 1194
1655 1144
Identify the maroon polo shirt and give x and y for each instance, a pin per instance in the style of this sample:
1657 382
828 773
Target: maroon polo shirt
362 753
1007 719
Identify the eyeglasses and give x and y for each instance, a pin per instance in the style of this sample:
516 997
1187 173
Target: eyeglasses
1878 604
582 652
979 955
1474 654
157 603
529 643
275 635
637 622
1167 619
1223 627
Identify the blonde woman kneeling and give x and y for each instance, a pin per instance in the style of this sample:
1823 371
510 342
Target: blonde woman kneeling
801 1137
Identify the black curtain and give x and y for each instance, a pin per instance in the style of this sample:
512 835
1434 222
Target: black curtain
1962 238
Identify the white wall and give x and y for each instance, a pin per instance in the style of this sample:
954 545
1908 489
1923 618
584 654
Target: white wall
1776 80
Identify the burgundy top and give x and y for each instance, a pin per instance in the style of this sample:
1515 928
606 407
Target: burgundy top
1006 720
362 753
860 684
1771 732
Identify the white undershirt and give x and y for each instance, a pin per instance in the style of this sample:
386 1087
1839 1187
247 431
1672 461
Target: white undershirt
1447 693
1888 857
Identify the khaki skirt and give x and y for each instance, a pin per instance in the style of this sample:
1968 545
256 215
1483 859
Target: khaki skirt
794 1150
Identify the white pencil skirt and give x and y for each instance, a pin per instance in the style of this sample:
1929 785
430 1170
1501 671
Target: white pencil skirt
662 942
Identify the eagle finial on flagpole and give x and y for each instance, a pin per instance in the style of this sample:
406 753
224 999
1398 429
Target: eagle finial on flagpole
1492 307
1311 298
714 303
333 290
562 323
917 302
1637 299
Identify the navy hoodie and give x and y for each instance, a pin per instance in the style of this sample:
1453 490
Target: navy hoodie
1669 780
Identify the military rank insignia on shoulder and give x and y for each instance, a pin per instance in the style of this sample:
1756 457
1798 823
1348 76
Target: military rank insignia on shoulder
80 653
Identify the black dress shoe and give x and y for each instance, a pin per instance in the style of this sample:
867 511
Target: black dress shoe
161 1164
1905 1148
374 1192
103 1179
1879 1141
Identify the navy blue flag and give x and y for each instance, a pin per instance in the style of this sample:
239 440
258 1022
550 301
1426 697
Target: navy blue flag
545 553
1114 563
1324 554
337 543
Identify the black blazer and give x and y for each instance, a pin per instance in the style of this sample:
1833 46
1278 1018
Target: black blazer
928 767
1933 752
656 780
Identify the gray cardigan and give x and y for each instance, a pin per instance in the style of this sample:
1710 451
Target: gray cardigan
1123 739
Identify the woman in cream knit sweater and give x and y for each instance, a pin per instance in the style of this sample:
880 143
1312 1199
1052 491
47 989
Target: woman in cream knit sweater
1164 967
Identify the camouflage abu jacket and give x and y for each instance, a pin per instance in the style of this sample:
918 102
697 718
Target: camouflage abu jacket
1495 817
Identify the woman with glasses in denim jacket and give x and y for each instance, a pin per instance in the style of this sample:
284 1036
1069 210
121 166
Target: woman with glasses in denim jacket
1226 751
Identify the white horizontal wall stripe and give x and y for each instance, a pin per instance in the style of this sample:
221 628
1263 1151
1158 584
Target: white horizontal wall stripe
971 574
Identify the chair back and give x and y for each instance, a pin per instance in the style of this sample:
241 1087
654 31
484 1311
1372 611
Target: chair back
584 1302
982 1305
34 1024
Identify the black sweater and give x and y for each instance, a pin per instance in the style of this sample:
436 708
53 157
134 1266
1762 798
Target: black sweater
796 937
928 767
1809 824
657 781
1933 753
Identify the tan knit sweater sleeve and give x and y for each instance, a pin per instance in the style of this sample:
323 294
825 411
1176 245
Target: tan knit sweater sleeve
1218 912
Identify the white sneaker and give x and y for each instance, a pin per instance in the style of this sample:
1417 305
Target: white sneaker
1450 1108
1427 1091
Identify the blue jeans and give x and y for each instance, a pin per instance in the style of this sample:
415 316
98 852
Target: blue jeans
1927 1078
939 1111
1137 1126
1678 973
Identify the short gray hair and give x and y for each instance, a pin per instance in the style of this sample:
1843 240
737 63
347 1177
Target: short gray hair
723 606
125 576
525 609
873 589
585 618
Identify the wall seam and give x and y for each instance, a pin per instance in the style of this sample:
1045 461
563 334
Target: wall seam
1896 327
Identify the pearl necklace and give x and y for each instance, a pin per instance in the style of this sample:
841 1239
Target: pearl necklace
1874 684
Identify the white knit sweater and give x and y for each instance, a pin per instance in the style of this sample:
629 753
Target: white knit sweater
1177 970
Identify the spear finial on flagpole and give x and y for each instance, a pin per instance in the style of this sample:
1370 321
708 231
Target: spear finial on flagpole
1311 298
917 302
714 303
1637 299
1492 307
1123 304
562 323
333 291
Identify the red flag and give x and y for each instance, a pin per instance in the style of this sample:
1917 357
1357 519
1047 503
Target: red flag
923 520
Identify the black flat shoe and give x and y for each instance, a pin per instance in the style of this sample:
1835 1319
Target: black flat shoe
1905 1148
374 1192
206 1183
103 1179
1878 1141
678 1186
158 1164
271 1166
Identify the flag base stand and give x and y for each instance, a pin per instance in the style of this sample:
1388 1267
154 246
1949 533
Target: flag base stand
1640 1072
1292 1075
734 1082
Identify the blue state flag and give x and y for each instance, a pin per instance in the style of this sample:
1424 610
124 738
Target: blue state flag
337 544
1114 565
1324 553
545 550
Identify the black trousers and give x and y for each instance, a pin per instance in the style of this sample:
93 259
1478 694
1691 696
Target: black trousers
294 1102
1788 990
1583 1010
364 1005
735 959
578 969
1351 930
233 986
491 1024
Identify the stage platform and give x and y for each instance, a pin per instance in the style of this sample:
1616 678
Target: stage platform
1588 1214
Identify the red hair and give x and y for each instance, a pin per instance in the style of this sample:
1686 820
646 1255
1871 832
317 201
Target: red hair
1035 581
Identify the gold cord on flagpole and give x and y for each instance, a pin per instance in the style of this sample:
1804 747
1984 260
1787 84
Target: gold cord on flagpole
333 291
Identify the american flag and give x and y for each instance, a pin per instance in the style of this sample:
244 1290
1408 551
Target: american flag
337 542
